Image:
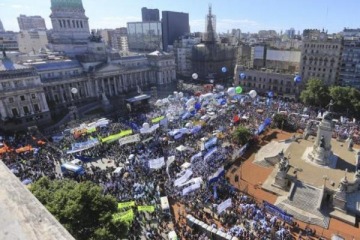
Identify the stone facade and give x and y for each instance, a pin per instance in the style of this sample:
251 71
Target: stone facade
320 58
22 101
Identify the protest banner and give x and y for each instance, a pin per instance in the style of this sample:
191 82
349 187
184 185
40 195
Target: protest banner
126 204
146 209
129 139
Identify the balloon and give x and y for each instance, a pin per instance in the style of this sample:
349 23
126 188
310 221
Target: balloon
231 91
212 81
176 94
223 69
252 93
270 94
238 90
242 75
197 106
145 125
168 116
297 79
189 125
181 94
195 76
74 91
158 102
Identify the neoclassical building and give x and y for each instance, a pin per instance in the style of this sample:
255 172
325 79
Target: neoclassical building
22 97
114 76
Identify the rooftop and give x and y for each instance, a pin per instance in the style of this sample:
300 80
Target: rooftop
22 215
7 65
56 65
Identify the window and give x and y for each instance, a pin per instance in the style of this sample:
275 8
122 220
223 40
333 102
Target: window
36 108
11 100
26 110
33 96
15 112
22 98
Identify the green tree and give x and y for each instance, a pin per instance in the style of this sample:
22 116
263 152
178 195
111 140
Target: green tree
280 120
81 208
316 93
341 98
242 135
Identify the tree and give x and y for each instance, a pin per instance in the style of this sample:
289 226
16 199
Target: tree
81 208
316 93
341 98
242 135
280 120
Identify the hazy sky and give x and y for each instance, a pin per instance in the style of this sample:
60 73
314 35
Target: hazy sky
248 15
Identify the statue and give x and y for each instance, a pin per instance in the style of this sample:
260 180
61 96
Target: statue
94 38
343 185
283 164
322 142
331 103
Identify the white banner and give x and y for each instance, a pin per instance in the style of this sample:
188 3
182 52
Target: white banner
78 147
157 163
129 139
169 161
150 129
183 178
191 188
224 205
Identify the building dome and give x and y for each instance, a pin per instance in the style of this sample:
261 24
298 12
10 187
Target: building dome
66 4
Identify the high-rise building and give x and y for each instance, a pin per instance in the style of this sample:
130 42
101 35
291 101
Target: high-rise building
118 39
350 59
290 33
32 41
8 41
144 36
71 30
320 57
150 15
2 29
182 51
174 25
31 23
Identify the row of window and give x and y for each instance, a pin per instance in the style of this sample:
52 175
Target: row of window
67 23
275 81
22 98
26 110
324 46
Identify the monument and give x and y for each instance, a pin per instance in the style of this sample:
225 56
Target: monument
281 180
321 152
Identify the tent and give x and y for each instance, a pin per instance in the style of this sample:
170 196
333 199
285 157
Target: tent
172 235
24 149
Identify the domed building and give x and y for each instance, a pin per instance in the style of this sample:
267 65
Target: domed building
212 59
70 27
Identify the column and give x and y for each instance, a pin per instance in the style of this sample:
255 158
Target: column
2 109
103 85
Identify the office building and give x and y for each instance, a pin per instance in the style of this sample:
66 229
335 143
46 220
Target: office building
150 15
32 41
144 36
31 23
320 57
8 41
182 51
174 25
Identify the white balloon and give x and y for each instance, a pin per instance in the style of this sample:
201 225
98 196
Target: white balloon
195 75
74 91
168 116
231 91
181 94
253 93
145 125
158 102
189 125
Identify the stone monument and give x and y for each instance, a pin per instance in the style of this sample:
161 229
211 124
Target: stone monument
321 152
281 180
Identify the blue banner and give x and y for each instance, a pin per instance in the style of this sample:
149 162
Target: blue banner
276 211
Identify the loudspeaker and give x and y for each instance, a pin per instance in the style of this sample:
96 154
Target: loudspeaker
236 178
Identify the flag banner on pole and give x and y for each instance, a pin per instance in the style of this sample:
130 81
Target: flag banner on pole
157 163
224 205
183 178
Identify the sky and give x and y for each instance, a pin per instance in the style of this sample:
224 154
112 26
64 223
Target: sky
247 15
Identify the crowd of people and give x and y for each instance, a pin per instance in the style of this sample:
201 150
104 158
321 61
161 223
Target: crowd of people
192 176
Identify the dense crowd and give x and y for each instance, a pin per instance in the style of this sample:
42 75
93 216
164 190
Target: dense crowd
136 181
